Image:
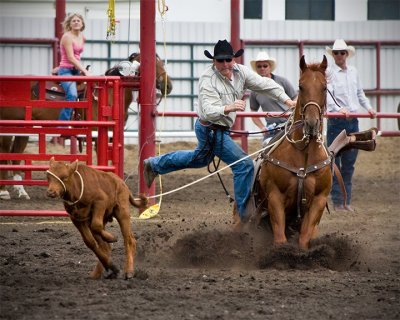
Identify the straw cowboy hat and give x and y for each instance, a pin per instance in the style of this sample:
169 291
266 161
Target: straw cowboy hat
263 56
223 50
340 45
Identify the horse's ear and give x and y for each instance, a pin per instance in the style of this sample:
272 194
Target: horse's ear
52 160
303 64
134 56
324 64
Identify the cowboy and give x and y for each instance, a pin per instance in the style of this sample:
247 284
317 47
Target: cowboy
221 89
264 65
345 96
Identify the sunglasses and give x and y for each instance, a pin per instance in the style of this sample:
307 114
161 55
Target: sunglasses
262 66
224 60
339 52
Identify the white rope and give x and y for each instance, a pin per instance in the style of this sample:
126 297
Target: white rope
215 172
65 188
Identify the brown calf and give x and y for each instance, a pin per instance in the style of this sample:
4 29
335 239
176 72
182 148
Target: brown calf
92 198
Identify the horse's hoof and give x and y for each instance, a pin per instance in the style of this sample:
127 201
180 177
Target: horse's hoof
5 195
24 196
21 192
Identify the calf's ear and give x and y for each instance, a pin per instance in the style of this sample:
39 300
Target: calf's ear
73 166
52 160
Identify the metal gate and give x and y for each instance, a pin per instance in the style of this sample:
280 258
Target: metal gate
97 124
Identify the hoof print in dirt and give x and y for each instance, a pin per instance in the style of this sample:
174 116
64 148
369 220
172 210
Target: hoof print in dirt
141 274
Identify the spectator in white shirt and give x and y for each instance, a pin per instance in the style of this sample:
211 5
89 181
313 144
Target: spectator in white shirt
345 96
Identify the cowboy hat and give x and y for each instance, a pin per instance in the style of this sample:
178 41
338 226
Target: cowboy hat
263 56
340 45
223 50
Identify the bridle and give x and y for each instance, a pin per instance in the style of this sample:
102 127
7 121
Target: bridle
65 188
311 103
305 137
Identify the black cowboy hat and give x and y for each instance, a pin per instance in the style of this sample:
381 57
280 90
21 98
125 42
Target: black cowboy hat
223 50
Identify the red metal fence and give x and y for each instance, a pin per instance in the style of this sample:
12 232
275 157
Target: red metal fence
103 116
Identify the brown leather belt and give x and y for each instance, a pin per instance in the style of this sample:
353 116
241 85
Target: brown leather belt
213 126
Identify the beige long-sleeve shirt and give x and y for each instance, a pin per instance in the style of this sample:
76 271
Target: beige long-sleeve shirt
216 91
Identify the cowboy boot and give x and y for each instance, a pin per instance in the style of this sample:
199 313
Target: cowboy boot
369 134
369 145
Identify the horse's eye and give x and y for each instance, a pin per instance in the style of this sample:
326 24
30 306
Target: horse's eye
300 88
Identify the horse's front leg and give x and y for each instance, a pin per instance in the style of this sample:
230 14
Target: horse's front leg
276 211
311 219
19 146
5 147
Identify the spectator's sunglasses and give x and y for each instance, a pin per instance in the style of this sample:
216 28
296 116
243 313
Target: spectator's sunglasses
339 52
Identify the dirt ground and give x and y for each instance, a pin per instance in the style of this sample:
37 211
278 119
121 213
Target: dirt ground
190 265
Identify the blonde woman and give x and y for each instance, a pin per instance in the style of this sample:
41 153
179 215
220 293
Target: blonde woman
71 47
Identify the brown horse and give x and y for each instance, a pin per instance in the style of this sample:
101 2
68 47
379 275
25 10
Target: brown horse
295 175
163 81
19 143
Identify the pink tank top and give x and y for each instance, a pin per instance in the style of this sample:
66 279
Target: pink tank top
64 63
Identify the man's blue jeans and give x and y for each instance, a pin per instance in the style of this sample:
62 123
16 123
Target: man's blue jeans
224 148
345 160
70 89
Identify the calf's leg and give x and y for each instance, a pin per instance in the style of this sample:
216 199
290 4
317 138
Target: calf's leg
98 269
97 224
102 252
123 218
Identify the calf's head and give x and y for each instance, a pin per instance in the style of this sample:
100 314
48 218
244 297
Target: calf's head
58 177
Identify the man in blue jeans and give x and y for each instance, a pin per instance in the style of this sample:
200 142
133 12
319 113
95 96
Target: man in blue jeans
345 86
221 89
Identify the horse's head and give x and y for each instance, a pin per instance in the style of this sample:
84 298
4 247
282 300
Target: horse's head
311 102
163 81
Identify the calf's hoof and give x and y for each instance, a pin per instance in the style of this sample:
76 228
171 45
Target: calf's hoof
129 275
111 273
95 275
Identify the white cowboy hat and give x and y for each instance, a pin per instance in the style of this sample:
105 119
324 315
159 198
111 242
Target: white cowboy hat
263 56
340 45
